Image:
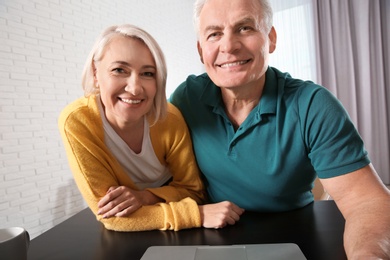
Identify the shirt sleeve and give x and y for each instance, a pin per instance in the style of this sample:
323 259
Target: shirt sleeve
95 170
334 144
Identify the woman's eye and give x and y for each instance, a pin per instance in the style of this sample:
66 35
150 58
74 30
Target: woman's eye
149 74
118 70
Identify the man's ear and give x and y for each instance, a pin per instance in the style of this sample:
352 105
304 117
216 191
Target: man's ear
272 37
199 51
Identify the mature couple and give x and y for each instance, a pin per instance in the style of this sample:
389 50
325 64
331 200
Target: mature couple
257 136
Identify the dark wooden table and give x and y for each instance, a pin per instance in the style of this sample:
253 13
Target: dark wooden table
317 229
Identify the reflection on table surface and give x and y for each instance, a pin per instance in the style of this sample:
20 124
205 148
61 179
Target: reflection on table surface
317 229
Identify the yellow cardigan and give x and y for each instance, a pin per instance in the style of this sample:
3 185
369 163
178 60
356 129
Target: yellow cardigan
95 169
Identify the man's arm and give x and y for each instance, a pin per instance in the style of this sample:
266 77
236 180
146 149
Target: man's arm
365 204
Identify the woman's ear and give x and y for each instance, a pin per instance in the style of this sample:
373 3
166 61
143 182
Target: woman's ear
94 69
94 74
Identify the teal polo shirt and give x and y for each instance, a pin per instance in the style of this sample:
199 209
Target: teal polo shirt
297 131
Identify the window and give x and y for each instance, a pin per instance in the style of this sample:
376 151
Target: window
295 47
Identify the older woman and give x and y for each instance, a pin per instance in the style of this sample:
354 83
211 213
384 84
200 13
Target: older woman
130 152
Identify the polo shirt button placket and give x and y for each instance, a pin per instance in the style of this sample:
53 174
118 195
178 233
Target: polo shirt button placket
232 152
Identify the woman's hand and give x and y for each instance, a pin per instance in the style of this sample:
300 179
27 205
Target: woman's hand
219 215
121 201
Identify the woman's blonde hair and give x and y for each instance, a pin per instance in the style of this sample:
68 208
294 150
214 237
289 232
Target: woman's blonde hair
159 108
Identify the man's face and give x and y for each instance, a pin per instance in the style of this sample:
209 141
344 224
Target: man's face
232 47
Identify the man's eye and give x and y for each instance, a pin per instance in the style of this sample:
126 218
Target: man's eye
245 28
212 36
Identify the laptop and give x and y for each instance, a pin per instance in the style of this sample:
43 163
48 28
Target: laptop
280 251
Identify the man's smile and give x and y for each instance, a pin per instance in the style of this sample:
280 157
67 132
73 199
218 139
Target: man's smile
232 64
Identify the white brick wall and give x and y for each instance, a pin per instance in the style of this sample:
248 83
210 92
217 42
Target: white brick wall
43 45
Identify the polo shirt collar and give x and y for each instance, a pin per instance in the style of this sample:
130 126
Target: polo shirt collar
269 96
211 94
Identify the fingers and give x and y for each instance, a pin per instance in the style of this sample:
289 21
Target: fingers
119 201
220 214
121 210
230 214
111 194
234 208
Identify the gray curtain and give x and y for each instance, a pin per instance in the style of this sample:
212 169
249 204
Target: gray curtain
352 44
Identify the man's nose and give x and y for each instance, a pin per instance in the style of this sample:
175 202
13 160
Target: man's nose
229 43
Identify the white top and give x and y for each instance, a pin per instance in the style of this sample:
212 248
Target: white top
144 168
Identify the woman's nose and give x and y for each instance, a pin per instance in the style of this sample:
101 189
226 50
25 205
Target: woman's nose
134 85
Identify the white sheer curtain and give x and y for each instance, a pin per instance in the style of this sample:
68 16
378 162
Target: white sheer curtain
295 52
342 45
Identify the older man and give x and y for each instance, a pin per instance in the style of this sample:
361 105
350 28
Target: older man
261 137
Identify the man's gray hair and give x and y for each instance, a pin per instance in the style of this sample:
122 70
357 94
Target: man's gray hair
265 19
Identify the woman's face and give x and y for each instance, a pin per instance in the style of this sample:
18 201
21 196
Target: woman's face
126 77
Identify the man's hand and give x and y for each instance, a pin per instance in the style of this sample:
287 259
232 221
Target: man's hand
121 201
219 215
